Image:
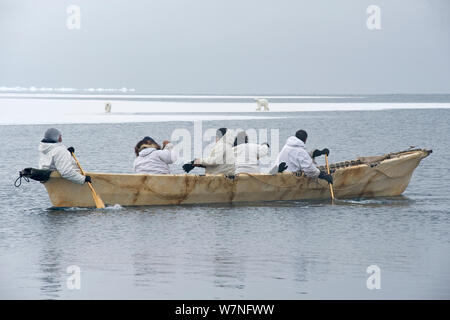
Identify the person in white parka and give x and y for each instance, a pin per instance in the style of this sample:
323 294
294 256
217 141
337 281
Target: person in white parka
152 159
296 159
221 158
247 154
54 156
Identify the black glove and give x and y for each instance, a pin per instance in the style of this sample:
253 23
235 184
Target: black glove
88 179
326 177
318 153
188 167
71 150
282 167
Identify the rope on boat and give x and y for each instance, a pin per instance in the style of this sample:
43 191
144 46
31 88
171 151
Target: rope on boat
371 161
31 173
270 184
18 181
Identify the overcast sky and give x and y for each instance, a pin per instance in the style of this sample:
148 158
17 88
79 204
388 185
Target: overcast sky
228 46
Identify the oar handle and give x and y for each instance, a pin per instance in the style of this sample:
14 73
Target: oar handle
78 164
83 173
92 188
328 171
98 201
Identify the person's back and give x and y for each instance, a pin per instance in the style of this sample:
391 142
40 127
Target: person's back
221 159
54 156
247 156
153 161
296 157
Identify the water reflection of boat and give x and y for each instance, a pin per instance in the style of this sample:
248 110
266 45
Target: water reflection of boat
386 175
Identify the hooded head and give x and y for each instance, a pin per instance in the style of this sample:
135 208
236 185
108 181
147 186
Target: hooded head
145 143
52 135
295 142
302 135
241 138
228 138
220 133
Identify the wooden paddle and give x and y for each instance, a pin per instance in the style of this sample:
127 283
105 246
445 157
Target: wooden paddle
328 171
98 201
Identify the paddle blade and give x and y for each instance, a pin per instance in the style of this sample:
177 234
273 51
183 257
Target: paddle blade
331 186
98 201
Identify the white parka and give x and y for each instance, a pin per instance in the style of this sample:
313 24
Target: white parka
221 158
54 156
247 156
153 161
296 157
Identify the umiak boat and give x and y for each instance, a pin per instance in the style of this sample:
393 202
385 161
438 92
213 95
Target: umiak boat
379 176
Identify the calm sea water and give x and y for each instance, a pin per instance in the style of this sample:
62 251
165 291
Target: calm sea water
282 250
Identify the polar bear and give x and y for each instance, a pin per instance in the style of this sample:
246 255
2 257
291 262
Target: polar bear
262 103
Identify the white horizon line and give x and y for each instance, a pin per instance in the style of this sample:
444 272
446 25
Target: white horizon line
131 96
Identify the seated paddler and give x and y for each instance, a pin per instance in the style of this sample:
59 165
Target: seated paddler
294 158
151 158
247 154
54 156
221 158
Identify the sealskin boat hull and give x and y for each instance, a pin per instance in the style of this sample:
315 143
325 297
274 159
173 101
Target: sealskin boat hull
381 176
